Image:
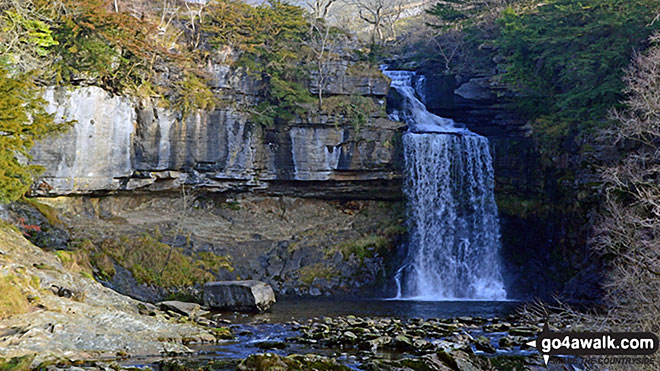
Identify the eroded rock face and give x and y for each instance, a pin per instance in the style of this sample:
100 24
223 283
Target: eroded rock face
119 143
239 295
96 152
298 246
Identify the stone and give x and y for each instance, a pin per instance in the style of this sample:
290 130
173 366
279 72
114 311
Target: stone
186 309
118 143
475 89
403 342
349 336
523 331
269 361
239 295
483 344
505 342
271 345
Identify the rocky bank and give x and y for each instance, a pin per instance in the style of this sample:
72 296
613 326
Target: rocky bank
61 314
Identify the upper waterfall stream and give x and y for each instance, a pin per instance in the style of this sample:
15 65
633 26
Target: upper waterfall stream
453 250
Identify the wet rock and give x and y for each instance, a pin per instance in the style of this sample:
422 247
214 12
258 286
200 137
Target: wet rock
441 361
223 333
239 295
483 343
403 343
463 361
422 345
505 342
183 308
523 331
349 337
271 345
497 327
272 362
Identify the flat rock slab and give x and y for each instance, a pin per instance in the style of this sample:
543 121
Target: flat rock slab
251 296
186 309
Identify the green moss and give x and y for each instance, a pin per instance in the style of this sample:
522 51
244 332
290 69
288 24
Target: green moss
364 69
47 211
104 264
395 230
66 257
35 282
520 207
222 333
17 363
75 260
44 266
232 205
354 109
213 263
365 247
155 263
508 363
308 273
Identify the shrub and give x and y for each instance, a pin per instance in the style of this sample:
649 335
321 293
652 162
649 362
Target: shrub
628 233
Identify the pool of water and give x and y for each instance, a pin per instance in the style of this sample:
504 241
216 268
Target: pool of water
253 330
299 309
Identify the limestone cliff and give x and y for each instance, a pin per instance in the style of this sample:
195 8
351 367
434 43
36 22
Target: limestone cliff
310 206
125 144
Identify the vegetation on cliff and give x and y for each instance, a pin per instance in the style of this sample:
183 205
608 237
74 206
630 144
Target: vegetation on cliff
271 39
23 120
567 59
628 232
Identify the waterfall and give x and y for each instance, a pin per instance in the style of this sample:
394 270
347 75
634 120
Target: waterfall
453 251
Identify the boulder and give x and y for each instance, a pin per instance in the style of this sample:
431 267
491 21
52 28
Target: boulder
239 295
186 309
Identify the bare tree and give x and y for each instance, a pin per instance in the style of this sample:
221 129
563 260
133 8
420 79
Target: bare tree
381 15
318 43
449 45
322 42
320 9
628 232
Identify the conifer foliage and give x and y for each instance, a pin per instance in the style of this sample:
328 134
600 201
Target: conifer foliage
23 120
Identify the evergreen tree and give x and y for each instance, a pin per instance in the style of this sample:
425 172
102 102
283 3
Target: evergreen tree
23 120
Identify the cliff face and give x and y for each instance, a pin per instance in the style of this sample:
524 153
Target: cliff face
311 206
120 144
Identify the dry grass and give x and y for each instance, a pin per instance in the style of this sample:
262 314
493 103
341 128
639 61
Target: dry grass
13 300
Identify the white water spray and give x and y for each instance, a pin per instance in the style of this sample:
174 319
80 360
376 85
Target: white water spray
454 242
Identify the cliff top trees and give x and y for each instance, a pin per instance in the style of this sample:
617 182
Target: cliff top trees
270 38
567 57
381 15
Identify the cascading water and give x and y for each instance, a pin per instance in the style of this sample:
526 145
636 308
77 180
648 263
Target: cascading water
454 245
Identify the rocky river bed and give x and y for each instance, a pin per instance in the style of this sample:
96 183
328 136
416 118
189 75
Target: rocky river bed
293 336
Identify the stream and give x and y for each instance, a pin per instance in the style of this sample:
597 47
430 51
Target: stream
276 330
